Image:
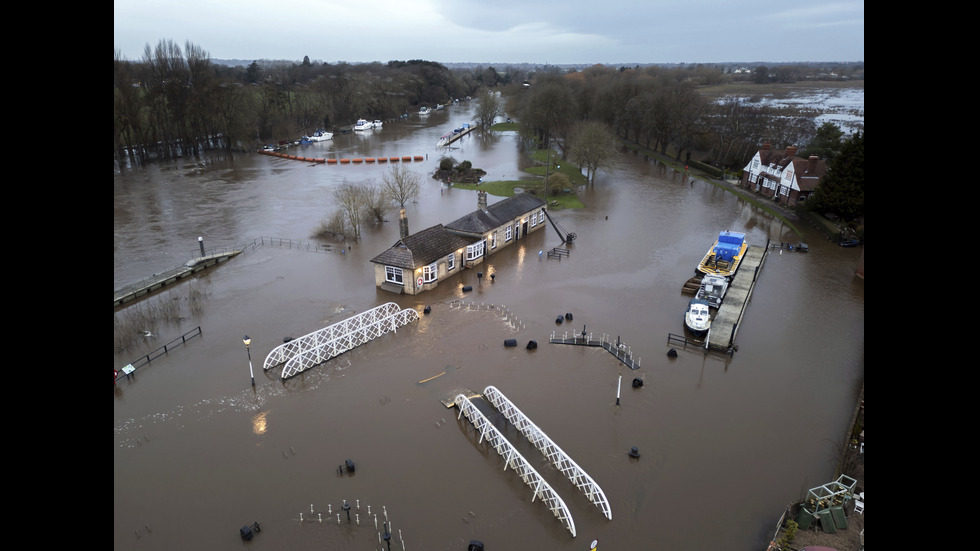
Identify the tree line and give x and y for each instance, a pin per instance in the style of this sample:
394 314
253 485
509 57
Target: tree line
177 101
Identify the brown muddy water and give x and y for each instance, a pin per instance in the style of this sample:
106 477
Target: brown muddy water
725 443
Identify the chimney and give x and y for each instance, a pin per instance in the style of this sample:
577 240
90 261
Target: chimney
811 165
791 151
402 223
481 200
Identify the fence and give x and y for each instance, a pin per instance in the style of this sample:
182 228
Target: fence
144 360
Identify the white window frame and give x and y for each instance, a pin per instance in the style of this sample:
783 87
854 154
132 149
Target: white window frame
474 251
492 238
451 262
508 233
430 273
393 274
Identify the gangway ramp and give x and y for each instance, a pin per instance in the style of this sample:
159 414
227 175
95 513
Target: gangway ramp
312 349
549 449
513 459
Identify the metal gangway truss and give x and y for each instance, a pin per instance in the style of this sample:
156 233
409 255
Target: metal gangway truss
549 449
298 355
512 458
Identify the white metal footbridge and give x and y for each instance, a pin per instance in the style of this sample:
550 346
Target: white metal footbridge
549 449
514 459
300 354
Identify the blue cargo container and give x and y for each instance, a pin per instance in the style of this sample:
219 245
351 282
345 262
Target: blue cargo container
728 250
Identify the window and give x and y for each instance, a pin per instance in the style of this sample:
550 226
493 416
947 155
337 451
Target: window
393 275
429 273
474 251
507 233
493 240
534 220
451 262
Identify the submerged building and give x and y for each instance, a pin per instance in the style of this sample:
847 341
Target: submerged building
418 262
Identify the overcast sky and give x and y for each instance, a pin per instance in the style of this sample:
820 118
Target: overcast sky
498 31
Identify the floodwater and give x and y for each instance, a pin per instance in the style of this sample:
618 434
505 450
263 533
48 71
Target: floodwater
725 443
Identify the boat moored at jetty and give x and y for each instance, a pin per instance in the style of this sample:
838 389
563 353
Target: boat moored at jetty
723 258
321 136
713 290
697 317
363 124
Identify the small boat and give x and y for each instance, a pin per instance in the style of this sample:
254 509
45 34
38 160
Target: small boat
305 139
723 258
713 290
461 128
697 317
424 111
363 125
321 136
377 123
269 147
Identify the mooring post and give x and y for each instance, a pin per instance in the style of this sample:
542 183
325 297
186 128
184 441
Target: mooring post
618 386
200 241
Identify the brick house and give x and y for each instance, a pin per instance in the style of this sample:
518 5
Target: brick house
418 262
782 176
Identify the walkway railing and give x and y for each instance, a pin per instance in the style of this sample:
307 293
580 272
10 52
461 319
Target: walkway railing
549 449
298 355
136 364
515 460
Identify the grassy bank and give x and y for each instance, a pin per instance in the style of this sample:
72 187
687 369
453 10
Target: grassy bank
506 188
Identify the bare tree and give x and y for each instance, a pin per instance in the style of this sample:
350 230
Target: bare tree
592 147
351 200
488 108
376 202
401 185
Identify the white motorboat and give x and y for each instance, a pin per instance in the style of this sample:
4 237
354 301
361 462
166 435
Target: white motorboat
713 289
697 317
377 123
321 136
363 125
424 111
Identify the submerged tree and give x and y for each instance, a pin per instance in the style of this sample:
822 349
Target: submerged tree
351 200
401 184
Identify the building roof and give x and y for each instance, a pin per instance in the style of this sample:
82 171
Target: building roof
422 248
481 221
808 171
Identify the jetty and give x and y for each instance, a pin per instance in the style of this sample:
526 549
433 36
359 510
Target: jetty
455 135
724 326
168 277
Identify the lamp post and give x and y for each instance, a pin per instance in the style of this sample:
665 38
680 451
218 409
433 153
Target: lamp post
248 341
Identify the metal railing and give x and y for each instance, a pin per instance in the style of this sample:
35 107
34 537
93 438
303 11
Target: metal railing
312 349
136 364
549 449
513 459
